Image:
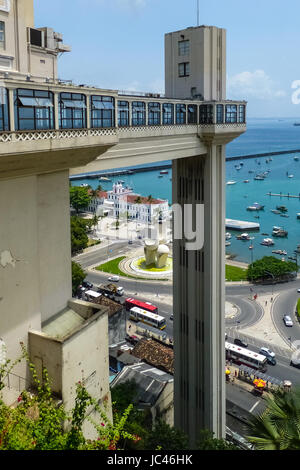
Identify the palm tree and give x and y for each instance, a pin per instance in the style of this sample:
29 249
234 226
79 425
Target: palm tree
278 427
138 200
150 198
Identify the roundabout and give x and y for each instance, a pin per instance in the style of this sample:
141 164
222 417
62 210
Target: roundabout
139 266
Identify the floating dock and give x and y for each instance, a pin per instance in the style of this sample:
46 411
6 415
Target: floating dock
284 195
241 225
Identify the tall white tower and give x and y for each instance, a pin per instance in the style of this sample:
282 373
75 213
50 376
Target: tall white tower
195 67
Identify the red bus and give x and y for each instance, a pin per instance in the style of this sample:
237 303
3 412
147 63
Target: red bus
130 303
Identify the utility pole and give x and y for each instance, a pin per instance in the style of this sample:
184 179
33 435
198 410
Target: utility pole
198 23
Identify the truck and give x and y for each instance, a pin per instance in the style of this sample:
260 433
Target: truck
111 289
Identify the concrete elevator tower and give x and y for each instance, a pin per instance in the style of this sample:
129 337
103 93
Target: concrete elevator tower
195 68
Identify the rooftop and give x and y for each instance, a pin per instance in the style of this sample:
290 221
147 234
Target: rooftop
156 354
150 381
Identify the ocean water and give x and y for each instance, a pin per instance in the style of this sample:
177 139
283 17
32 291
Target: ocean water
263 135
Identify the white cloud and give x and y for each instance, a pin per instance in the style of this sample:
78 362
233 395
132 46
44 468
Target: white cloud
156 86
253 85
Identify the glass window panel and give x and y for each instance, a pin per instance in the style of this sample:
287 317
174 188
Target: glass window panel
26 124
27 101
44 102
26 113
24 92
79 104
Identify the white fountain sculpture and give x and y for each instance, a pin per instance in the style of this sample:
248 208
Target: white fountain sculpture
156 253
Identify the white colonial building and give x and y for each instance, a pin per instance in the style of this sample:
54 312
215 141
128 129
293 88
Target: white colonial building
121 202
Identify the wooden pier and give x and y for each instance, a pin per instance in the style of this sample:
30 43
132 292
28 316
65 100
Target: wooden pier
288 195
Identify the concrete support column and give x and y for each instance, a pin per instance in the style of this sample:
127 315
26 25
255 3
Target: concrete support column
56 111
11 110
198 299
88 112
130 112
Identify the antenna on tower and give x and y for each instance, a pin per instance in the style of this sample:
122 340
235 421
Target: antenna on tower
198 13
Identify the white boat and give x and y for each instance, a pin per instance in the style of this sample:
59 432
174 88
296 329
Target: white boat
255 207
267 242
243 236
290 176
227 243
84 185
227 235
104 178
231 182
296 159
298 215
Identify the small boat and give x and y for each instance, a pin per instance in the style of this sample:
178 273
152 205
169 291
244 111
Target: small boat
279 252
160 176
275 211
251 171
267 242
243 236
265 234
259 178
84 185
290 176
104 178
227 243
255 207
298 215
246 181
282 208
164 172
296 158
228 236
279 232
231 182
251 247
238 167
284 215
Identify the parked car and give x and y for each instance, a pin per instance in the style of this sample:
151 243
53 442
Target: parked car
171 317
240 342
87 284
114 278
226 336
287 320
295 362
298 290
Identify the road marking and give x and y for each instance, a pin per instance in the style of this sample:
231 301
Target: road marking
255 404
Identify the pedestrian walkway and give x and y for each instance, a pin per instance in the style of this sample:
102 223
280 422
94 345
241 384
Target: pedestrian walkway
264 332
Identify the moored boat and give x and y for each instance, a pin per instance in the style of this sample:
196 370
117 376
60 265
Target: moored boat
243 236
267 242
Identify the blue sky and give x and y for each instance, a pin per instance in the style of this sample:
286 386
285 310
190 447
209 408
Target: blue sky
119 44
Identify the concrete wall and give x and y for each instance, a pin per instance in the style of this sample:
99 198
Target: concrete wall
35 255
117 327
54 247
165 404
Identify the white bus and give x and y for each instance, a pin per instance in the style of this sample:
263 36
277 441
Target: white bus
244 356
138 314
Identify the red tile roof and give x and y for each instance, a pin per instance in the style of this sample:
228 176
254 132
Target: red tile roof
156 354
131 198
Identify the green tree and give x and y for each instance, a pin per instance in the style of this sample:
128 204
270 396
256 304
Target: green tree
79 238
78 275
37 423
278 427
99 188
138 200
207 441
165 437
79 198
271 268
150 198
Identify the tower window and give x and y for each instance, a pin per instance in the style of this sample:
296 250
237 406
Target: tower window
183 47
184 69
2 35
